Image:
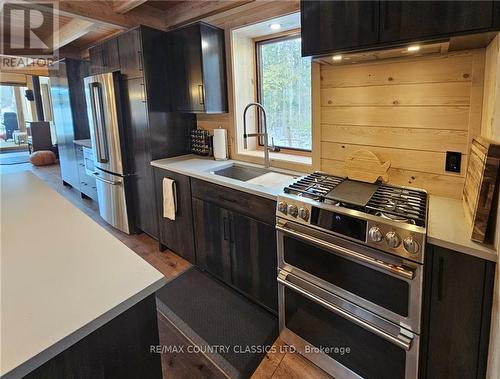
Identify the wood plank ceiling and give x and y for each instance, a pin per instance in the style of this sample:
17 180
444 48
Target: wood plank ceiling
81 24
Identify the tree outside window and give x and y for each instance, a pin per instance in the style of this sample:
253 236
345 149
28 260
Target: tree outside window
285 91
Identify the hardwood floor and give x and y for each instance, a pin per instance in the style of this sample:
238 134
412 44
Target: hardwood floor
276 364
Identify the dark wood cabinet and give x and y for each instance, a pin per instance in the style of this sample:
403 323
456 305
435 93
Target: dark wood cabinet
197 68
177 235
104 57
151 130
414 20
213 239
329 26
236 240
130 48
254 259
457 314
342 26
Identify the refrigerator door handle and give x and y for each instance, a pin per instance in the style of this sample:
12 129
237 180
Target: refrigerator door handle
111 182
99 124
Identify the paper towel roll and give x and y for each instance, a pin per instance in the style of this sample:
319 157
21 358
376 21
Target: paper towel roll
220 144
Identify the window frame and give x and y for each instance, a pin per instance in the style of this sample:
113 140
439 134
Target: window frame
258 75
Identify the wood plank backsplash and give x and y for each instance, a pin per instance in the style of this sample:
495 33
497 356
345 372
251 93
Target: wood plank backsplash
409 111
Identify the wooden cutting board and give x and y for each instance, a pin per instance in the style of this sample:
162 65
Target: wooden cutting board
363 165
480 182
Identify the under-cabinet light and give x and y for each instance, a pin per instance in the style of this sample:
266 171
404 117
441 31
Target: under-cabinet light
337 58
275 26
414 48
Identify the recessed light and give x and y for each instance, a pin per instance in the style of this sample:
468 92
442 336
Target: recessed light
414 48
275 26
337 58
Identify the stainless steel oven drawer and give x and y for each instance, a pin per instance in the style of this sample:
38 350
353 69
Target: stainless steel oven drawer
342 338
387 285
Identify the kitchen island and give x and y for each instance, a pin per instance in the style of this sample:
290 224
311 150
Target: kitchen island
75 301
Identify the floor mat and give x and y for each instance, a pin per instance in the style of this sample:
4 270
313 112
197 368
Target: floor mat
232 331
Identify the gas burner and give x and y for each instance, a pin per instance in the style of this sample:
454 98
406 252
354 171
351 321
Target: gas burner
399 204
395 218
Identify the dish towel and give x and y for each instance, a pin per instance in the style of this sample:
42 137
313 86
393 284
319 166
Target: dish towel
169 198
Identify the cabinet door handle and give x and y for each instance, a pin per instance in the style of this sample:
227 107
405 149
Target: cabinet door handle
143 86
228 200
201 96
224 223
440 279
139 56
231 239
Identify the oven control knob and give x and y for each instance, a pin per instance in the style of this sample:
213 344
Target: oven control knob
392 239
293 210
282 207
411 245
304 214
375 234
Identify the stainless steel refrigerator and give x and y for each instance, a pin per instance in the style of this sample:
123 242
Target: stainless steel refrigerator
106 133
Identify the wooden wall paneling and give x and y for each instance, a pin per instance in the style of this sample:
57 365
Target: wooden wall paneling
456 117
403 138
454 67
409 110
454 93
317 146
476 95
442 185
417 160
490 125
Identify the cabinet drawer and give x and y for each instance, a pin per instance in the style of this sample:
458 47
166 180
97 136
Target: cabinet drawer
254 206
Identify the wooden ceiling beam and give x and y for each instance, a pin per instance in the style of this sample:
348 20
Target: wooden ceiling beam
71 31
123 6
103 13
191 11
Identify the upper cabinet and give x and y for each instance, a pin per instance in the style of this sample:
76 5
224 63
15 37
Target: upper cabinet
197 68
131 59
104 57
329 26
341 26
409 20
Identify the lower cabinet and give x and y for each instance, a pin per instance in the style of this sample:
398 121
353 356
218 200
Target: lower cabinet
236 247
254 259
457 314
213 239
176 234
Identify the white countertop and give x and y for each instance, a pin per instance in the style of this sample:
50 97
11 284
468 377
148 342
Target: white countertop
446 228
62 275
200 167
445 224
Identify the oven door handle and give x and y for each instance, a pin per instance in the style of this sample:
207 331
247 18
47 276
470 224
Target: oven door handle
401 271
400 341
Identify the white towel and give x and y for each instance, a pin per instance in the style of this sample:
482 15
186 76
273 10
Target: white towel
169 198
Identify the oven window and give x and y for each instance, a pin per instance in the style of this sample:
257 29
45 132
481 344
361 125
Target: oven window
369 355
381 289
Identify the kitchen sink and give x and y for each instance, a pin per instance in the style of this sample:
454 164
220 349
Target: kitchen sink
255 175
241 172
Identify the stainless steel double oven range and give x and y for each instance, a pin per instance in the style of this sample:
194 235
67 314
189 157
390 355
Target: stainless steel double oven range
350 260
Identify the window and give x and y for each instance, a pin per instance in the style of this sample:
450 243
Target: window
284 89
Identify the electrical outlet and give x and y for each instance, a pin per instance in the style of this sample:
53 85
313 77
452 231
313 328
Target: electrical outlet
453 161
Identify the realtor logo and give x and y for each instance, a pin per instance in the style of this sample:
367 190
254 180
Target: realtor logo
29 29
